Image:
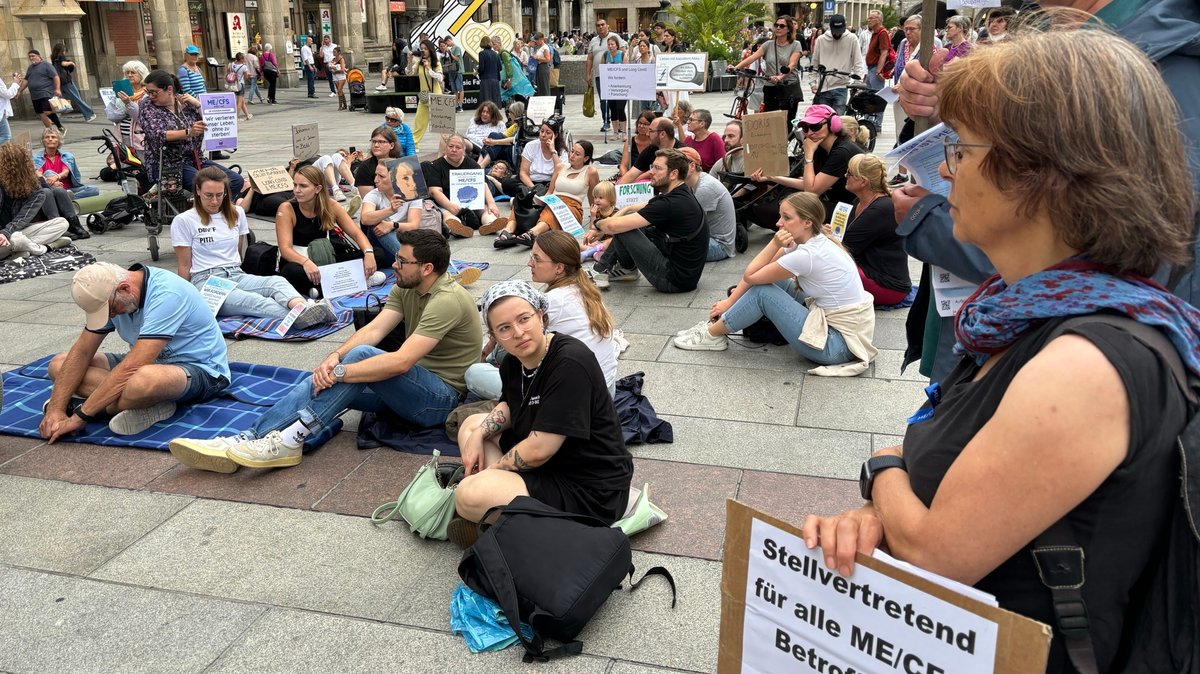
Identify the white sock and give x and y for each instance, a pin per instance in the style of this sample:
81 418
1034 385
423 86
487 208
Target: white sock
295 434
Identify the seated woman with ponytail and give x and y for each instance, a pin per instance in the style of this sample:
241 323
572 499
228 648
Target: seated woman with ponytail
871 234
807 285
574 308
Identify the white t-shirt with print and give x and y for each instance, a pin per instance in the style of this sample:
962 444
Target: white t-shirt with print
568 316
825 272
540 168
214 244
380 201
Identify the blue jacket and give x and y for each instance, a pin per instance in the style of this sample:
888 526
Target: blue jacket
1169 32
77 186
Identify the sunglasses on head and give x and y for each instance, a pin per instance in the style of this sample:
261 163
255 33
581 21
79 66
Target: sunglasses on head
806 127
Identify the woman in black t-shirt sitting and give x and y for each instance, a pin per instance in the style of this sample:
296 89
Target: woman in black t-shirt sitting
827 152
555 435
871 234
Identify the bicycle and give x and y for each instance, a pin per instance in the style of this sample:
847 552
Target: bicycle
741 97
825 74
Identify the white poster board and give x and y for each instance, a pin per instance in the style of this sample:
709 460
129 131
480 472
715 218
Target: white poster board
467 188
687 71
441 113
342 278
627 81
540 107
215 291
220 115
566 219
108 96
306 141
634 193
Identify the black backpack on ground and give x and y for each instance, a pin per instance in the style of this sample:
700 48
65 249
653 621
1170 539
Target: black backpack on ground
261 259
550 569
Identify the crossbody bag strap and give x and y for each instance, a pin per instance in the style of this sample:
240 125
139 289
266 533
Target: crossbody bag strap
653 571
1060 564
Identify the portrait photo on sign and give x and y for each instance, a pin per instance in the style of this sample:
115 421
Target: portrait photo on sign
408 181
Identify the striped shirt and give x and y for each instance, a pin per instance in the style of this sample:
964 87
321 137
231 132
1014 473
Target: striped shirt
191 81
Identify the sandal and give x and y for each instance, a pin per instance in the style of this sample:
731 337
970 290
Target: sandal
505 239
525 239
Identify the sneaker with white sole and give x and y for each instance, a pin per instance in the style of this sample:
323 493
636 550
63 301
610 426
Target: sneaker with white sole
381 87
701 340
268 452
316 313
132 422
332 95
614 273
353 204
702 325
207 454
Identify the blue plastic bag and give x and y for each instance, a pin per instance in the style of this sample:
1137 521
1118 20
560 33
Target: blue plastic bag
481 622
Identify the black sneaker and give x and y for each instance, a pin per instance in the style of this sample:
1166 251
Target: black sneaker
900 179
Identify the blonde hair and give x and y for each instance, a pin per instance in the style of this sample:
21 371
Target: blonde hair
606 190
562 248
807 206
856 132
1083 185
871 169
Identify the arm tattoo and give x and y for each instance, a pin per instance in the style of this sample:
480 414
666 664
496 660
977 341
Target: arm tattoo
513 461
493 423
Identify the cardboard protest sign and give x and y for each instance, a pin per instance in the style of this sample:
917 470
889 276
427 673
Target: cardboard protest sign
441 113
270 180
220 116
408 181
764 139
687 71
627 81
783 610
306 141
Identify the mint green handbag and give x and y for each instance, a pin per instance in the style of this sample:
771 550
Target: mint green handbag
427 503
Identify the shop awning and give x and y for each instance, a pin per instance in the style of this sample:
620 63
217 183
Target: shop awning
47 9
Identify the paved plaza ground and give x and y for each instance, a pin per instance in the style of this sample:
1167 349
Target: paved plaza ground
121 560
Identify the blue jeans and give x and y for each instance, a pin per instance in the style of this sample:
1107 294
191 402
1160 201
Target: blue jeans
258 296
83 191
386 246
498 152
875 82
253 91
418 396
5 131
834 98
782 303
310 78
189 175
716 251
71 93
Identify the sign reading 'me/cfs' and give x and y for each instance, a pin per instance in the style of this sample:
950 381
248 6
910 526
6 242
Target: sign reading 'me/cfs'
220 117
764 143
441 113
627 81
306 141
783 610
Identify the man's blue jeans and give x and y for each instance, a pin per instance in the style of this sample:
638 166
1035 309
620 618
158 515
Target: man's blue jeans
834 98
875 82
310 78
418 396
782 303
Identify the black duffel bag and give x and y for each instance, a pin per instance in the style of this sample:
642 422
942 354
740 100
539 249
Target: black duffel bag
365 314
550 569
261 259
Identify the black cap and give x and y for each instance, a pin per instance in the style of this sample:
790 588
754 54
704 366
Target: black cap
837 21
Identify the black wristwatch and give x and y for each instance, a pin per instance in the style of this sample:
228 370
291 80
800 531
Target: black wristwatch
874 466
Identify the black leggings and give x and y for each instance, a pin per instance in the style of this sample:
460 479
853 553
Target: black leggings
616 110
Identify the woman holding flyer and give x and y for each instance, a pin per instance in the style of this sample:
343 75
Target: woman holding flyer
209 241
312 225
571 182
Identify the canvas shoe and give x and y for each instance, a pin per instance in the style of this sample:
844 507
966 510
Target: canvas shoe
494 226
467 275
462 532
353 204
268 452
381 87
132 422
457 228
207 454
701 340
316 313
702 325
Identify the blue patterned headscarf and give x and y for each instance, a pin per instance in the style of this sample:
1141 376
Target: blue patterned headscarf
522 289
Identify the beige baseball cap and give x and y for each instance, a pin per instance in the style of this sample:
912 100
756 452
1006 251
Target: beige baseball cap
91 288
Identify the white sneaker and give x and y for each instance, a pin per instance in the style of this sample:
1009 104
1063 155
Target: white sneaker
338 195
353 204
701 340
132 422
332 95
268 452
599 278
316 313
702 325
377 279
381 88
207 454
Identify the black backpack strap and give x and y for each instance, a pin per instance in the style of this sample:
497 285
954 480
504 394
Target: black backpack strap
1060 564
495 566
654 571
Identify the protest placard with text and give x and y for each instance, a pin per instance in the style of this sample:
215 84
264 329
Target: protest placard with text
220 116
634 193
441 113
270 180
306 141
764 139
686 71
627 81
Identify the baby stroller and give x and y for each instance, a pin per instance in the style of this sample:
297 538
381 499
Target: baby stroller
358 89
131 176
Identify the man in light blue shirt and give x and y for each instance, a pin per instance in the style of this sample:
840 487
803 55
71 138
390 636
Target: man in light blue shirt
176 355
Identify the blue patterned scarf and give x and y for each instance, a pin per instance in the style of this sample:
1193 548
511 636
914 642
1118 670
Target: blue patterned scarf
997 315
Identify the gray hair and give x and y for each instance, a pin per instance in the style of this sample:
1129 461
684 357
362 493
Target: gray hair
914 17
704 116
137 67
268 47
961 21
393 111
874 12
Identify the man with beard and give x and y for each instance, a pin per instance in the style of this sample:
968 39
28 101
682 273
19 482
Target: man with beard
421 383
666 238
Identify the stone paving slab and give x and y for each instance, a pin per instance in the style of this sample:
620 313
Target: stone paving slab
122 467
54 623
720 393
316 561
859 404
56 526
693 496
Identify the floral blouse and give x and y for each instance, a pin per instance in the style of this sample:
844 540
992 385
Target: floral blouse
155 122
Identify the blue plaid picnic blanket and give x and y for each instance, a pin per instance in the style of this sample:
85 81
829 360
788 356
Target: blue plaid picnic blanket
240 327
904 303
253 388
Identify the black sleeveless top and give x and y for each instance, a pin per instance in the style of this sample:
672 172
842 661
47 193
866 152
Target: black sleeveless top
306 230
1121 526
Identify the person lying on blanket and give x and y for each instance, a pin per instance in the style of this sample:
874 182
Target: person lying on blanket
176 354
554 435
421 383
209 242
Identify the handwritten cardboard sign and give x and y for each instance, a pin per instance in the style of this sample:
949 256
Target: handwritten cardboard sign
441 113
764 139
270 180
306 141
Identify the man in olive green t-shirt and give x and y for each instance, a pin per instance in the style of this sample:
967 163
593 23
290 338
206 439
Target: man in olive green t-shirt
421 382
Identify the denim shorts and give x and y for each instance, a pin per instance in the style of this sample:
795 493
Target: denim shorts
455 82
201 386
